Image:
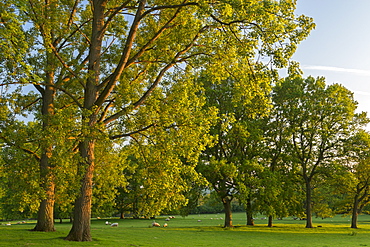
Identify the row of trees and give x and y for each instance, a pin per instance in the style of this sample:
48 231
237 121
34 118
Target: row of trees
157 97
307 154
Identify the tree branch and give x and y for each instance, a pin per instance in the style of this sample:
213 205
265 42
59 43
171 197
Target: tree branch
131 133
169 7
35 155
176 59
125 55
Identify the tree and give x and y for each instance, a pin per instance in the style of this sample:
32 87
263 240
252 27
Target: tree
355 185
19 183
321 119
40 68
279 195
19 165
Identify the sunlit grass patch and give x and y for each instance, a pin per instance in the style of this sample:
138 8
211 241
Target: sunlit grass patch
189 231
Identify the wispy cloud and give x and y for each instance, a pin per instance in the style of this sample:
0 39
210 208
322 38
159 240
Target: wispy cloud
337 69
362 93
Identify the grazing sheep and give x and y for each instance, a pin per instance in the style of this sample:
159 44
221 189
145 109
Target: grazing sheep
165 225
107 223
156 224
114 224
167 219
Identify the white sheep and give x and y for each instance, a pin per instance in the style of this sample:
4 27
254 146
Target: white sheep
156 224
114 224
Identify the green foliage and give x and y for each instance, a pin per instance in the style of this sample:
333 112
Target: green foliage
19 184
114 80
317 123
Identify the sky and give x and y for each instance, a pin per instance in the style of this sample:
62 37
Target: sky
339 47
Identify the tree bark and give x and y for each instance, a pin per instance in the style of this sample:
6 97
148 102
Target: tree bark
249 213
308 204
228 214
45 214
250 220
269 224
82 211
355 211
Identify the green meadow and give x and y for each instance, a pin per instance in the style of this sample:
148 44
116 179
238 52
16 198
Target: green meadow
197 230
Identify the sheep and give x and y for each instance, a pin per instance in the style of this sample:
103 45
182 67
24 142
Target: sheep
156 224
114 224
167 219
165 225
107 223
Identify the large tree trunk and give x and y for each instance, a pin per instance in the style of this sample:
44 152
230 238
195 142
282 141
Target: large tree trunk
308 204
228 214
45 215
82 211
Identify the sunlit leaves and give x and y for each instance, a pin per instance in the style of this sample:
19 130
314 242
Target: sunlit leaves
317 122
132 83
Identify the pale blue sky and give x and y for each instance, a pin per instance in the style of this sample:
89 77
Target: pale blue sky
339 47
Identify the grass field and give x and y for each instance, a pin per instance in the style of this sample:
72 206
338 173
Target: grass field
189 231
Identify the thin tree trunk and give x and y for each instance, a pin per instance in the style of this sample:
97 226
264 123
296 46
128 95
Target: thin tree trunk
355 211
269 224
228 214
250 220
249 213
308 204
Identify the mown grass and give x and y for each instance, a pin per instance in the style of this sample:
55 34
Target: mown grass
189 231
